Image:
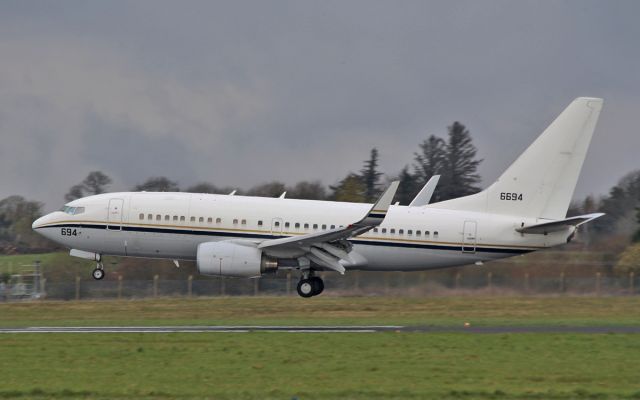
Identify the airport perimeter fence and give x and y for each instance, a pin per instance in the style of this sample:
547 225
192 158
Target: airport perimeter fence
354 283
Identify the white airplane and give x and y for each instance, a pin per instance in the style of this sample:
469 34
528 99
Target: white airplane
239 236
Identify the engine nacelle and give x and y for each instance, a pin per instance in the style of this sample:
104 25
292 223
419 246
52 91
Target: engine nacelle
226 258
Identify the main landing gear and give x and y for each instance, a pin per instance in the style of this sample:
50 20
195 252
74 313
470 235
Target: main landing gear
309 286
98 273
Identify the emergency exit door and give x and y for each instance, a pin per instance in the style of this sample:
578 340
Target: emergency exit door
469 237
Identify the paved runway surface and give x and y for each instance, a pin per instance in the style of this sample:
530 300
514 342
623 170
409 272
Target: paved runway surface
326 329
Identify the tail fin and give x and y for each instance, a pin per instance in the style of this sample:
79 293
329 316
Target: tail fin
540 183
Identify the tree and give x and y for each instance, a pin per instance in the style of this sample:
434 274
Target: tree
203 187
408 188
350 189
158 184
75 192
430 161
308 190
460 164
371 177
270 189
16 216
620 207
96 182
454 160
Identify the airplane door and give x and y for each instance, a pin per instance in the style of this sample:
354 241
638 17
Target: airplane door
114 218
276 226
469 237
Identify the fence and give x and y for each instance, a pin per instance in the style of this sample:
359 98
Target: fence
353 283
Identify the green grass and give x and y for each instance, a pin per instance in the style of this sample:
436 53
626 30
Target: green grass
320 366
15 263
263 365
438 311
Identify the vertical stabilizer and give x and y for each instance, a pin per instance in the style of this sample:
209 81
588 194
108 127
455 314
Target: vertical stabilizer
540 183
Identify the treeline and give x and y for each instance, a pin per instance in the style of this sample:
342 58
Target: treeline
453 157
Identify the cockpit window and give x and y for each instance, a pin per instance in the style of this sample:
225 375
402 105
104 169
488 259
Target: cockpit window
72 210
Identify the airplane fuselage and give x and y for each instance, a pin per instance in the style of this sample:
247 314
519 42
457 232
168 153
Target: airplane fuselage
172 225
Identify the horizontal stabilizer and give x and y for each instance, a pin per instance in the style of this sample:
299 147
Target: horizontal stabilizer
424 197
555 226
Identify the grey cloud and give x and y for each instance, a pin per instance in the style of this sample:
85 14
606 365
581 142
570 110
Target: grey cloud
243 92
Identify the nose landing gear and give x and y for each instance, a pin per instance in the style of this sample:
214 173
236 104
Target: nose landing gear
98 273
310 286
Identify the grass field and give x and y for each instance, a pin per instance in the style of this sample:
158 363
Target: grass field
439 311
262 365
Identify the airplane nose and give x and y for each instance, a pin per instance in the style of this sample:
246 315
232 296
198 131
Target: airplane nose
38 223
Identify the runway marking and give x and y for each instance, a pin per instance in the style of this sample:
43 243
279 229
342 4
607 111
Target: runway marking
203 329
328 329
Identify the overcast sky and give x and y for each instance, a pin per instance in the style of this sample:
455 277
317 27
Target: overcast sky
241 92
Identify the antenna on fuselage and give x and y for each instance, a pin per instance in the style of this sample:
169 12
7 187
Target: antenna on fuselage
233 192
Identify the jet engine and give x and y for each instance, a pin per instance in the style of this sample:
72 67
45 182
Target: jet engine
236 259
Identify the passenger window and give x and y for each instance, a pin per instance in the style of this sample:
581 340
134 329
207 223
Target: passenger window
286 224
182 218
201 219
175 218
417 233
400 231
158 217
192 219
392 231
141 216
426 233
435 234
375 230
244 222
209 220
315 226
409 232
167 218
384 230
277 223
324 227
306 226
297 225
235 222
150 217
259 223
333 227
218 220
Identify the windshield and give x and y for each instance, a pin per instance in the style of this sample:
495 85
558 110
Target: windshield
72 210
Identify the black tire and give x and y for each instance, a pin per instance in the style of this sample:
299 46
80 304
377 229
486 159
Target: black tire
306 288
98 274
318 285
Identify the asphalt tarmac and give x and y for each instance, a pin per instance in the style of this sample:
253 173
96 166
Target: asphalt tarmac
328 329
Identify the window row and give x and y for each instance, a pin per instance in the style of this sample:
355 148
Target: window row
277 224
409 232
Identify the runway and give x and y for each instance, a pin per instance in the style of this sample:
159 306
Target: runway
328 329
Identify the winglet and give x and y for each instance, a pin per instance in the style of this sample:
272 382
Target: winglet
379 210
424 197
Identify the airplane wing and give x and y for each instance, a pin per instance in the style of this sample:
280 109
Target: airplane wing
559 225
327 248
424 197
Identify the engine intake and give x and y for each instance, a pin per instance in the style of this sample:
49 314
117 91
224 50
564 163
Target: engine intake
233 259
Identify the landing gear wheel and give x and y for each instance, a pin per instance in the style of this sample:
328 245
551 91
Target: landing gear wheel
306 288
98 274
318 285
